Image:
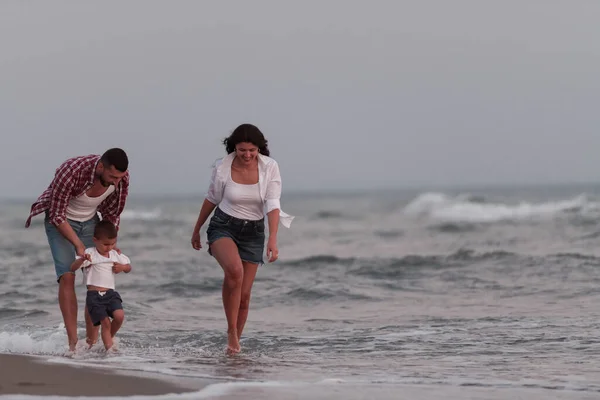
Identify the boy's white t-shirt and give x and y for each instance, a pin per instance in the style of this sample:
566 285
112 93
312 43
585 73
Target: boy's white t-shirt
98 271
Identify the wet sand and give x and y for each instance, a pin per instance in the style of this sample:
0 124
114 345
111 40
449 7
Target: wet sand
21 374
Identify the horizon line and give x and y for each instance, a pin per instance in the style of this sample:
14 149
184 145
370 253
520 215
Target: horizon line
333 190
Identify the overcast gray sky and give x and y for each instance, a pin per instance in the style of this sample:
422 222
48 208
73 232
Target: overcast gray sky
350 94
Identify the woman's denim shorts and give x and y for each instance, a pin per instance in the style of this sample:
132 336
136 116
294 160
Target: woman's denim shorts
249 236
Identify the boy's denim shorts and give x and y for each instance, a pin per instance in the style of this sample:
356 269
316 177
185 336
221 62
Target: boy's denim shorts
63 251
249 236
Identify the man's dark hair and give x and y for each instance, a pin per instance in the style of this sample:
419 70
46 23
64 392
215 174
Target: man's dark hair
115 157
105 230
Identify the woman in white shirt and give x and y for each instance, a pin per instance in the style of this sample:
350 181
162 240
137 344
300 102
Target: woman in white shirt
246 186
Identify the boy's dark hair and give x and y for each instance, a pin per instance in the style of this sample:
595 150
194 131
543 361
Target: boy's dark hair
115 157
105 230
247 133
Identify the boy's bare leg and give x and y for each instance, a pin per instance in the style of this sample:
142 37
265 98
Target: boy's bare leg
118 318
106 336
91 331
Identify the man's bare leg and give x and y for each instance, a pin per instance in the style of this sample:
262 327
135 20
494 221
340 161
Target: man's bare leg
67 300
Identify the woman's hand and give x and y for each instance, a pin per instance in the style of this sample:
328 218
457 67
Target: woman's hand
196 240
272 250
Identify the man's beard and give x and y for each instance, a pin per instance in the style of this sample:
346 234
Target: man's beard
102 181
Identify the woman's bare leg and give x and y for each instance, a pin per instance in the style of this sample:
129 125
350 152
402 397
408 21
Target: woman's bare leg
226 253
248 279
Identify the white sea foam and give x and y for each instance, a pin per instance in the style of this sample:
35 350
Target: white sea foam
43 341
141 215
439 206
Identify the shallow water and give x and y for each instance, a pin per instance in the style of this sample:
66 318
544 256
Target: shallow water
489 293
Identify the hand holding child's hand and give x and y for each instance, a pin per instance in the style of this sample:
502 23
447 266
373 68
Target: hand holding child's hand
80 249
87 257
118 268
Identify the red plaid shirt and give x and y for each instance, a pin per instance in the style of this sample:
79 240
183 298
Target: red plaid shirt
73 178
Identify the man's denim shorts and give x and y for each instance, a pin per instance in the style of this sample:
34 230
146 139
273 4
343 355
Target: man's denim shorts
63 251
249 236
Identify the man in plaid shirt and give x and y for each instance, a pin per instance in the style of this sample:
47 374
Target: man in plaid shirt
82 188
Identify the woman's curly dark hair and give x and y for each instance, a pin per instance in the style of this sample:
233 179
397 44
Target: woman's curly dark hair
247 133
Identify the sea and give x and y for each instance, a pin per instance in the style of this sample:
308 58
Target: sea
455 293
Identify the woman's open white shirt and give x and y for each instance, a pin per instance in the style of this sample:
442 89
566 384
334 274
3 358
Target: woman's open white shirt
269 184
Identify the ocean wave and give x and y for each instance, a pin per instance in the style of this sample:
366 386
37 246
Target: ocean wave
577 256
454 227
11 313
324 294
459 257
325 214
317 261
389 234
46 341
141 215
15 295
593 235
441 207
184 289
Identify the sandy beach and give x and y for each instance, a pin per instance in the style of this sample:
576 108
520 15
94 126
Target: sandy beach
21 374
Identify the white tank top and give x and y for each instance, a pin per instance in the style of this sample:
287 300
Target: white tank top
242 201
83 208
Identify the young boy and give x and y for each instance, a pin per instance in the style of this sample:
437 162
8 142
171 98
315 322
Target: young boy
99 264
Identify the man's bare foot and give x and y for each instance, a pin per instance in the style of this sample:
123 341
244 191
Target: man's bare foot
233 344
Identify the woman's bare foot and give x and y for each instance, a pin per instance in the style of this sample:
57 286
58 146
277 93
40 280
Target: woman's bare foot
233 344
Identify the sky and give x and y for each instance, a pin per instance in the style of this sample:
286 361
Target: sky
350 94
